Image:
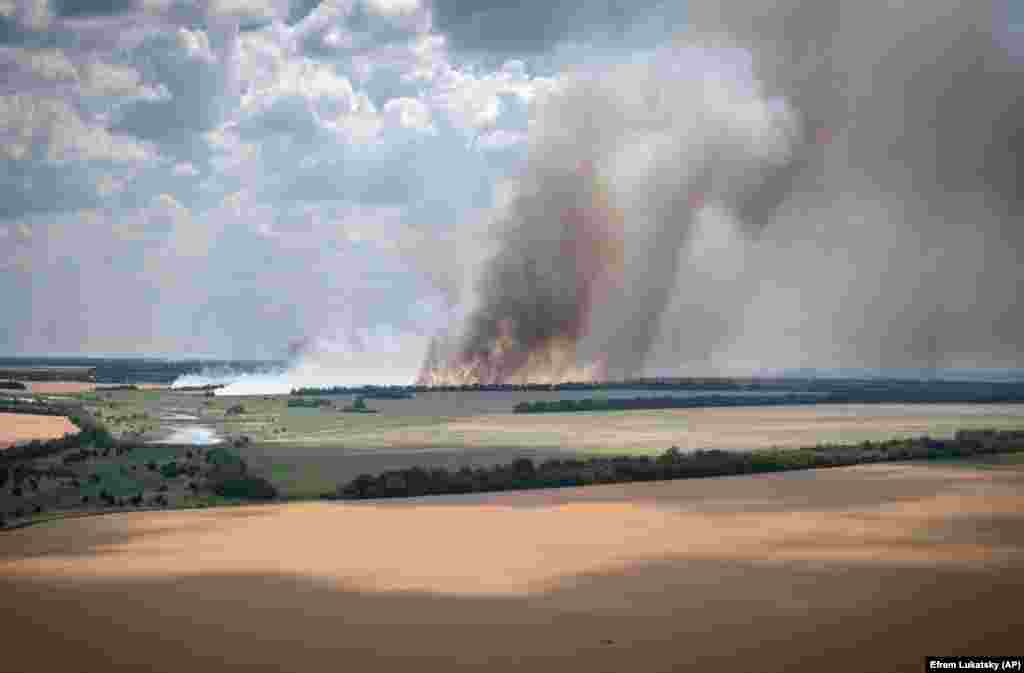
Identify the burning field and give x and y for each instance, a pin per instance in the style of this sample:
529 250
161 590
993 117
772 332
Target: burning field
865 568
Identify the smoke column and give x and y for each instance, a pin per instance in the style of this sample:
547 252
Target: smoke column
793 183
589 248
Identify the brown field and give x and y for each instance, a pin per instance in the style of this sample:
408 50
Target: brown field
59 387
18 428
857 569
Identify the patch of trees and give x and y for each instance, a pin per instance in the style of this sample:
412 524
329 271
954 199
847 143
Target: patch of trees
673 464
13 385
235 410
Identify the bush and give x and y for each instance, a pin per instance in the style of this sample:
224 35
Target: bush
169 470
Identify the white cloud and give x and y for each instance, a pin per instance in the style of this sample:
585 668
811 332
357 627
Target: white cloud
196 44
46 64
29 122
409 113
473 103
250 10
106 79
335 105
393 7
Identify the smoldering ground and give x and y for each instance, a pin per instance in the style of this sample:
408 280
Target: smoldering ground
800 183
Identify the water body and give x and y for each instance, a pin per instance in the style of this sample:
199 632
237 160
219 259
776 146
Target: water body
191 434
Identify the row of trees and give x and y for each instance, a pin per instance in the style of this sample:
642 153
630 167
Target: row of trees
666 402
673 464
369 392
874 396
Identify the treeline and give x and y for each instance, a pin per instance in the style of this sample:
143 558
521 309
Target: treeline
880 396
31 406
839 390
673 464
367 392
12 385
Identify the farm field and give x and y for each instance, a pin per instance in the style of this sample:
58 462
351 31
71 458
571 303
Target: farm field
458 425
307 451
18 428
833 569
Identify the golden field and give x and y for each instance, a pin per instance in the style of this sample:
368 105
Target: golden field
851 569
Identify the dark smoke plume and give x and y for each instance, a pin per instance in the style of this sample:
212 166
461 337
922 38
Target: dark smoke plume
675 135
853 198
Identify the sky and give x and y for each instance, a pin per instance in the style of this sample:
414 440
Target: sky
249 178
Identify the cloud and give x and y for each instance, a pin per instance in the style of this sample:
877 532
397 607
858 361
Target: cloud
51 129
409 113
393 7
